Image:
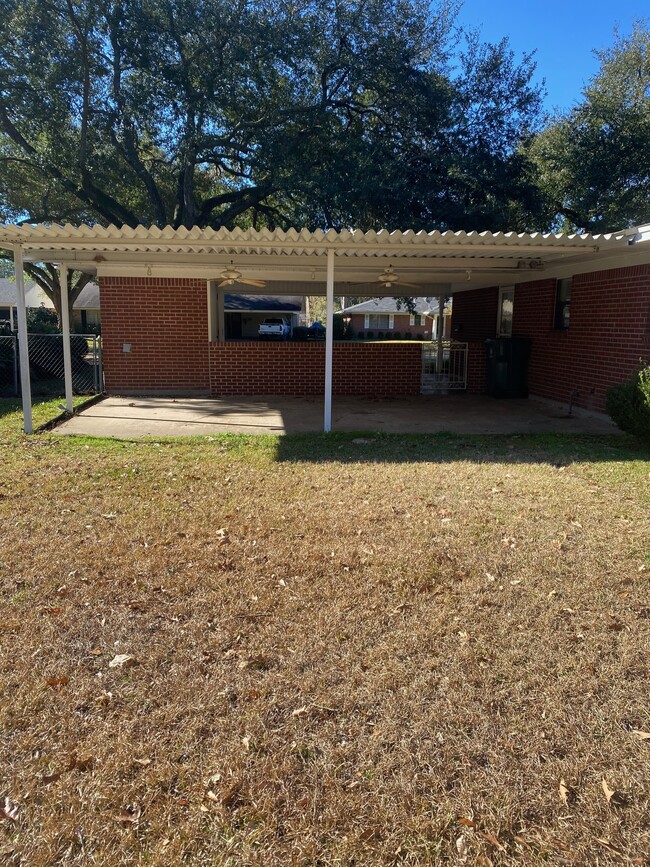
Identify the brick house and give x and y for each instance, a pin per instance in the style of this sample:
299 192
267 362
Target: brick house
390 317
583 300
588 331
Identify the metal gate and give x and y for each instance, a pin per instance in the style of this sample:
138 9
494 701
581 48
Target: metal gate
444 367
46 370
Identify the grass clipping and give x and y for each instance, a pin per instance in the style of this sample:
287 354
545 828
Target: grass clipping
433 652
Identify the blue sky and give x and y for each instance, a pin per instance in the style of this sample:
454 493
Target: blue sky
564 35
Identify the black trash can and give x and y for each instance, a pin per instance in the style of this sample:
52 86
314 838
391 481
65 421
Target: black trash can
507 366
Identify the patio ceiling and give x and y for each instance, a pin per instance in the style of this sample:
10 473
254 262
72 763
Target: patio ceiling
294 262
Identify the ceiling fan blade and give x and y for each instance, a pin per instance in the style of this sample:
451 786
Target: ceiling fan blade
224 283
409 285
259 283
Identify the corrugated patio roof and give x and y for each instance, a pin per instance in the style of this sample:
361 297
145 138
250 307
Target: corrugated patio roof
351 242
453 261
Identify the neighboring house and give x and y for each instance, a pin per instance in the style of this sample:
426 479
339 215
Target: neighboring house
385 316
34 295
85 311
244 313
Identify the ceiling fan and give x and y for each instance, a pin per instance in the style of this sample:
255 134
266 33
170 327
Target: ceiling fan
389 279
231 275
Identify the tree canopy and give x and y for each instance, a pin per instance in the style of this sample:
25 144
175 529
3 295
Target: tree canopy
594 161
217 113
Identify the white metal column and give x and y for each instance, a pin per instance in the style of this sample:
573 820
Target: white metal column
65 329
440 327
21 311
221 315
329 341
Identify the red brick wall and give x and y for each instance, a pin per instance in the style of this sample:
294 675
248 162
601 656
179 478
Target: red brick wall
609 332
476 367
166 323
299 368
474 314
607 335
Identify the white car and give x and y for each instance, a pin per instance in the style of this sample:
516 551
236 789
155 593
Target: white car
275 327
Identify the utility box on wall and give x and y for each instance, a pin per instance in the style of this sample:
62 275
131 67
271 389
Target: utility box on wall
507 366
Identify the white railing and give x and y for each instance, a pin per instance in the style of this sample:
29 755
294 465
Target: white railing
444 367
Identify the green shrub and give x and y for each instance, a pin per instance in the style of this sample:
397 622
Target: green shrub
380 335
40 320
408 335
300 332
370 335
397 335
629 404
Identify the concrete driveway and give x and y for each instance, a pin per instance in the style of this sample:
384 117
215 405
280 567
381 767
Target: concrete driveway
129 417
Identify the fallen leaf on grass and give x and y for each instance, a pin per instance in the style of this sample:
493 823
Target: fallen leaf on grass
9 811
609 845
123 660
616 799
643 736
492 840
51 778
609 793
231 796
58 682
128 815
300 711
467 822
567 794
142 762
461 847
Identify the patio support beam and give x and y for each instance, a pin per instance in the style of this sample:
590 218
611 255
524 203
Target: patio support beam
440 335
221 315
23 346
329 341
65 329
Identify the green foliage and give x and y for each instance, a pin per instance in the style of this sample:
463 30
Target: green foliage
370 335
339 327
40 320
594 162
629 404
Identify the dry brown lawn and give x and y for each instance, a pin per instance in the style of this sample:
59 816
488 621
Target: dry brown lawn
313 651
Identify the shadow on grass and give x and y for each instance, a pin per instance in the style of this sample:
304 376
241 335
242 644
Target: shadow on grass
555 449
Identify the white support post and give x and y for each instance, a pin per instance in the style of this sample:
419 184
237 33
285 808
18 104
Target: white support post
221 315
65 329
440 327
21 311
12 324
329 341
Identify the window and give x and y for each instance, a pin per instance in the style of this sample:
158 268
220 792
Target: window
380 321
505 311
563 303
416 319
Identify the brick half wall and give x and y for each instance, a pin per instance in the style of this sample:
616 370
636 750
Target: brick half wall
165 321
377 369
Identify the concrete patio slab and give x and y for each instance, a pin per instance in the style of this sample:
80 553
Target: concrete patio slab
128 417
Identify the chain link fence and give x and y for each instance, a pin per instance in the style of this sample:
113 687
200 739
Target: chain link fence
46 364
